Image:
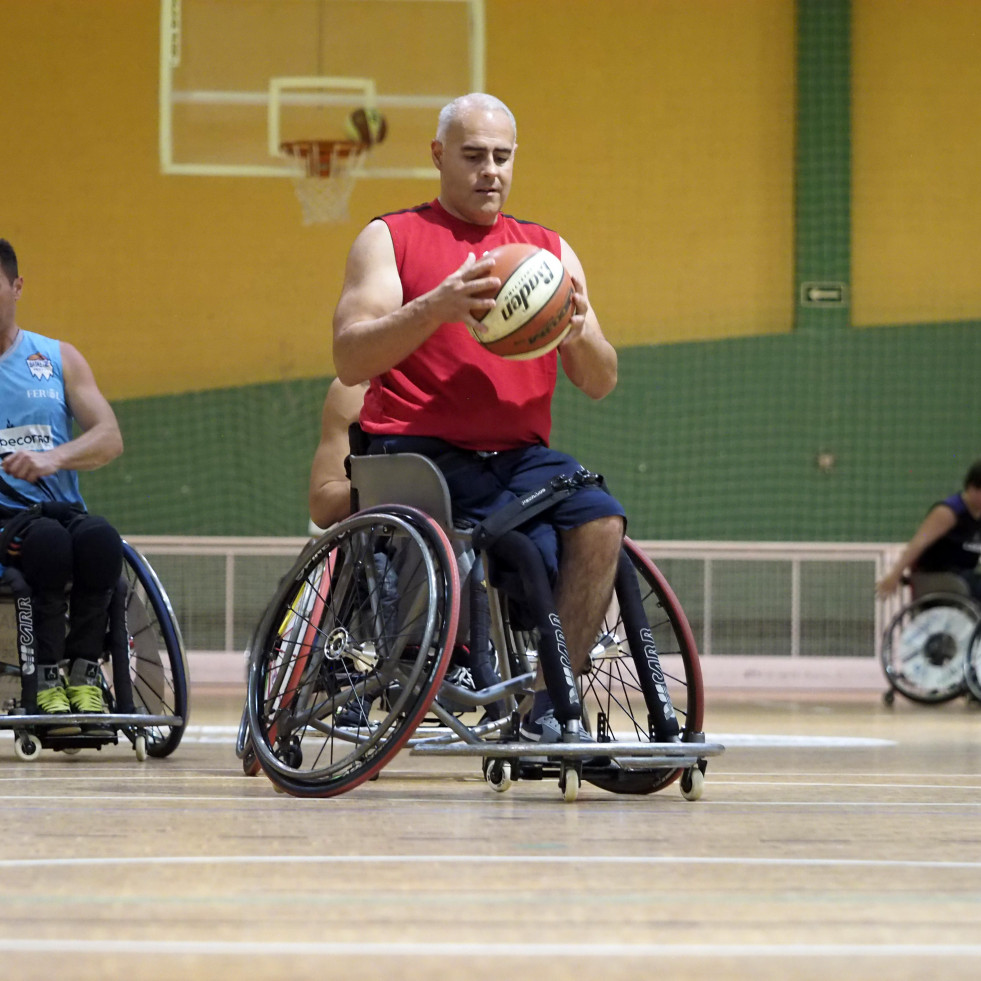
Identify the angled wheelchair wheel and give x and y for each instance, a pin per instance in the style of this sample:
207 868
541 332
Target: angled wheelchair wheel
615 706
925 648
157 660
243 746
351 651
243 740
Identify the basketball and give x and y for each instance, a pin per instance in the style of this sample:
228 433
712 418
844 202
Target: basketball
534 306
366 126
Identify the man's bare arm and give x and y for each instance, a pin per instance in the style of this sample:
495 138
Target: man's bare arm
100 440
373 330
588 358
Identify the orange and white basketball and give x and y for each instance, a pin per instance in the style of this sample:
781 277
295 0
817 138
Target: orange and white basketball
534 305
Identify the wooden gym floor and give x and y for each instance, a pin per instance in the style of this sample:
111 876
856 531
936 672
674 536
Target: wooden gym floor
837 838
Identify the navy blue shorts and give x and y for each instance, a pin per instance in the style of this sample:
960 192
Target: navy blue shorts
479 484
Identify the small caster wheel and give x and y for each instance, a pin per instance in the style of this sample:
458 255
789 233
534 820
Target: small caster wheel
27 747
292 755
498 774
72 750
250 765
569 785
692 783
888 697
139 745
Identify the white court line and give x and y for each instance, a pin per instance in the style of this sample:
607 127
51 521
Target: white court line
577 860
253 799
740 781
163 798
228 734
776 741
717 780
867 804
756 778
237 948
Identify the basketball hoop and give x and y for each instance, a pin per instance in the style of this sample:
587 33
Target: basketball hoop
326 171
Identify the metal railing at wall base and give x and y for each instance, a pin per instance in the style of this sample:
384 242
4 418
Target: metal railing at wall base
728 590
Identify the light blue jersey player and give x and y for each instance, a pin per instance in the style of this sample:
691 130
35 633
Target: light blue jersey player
46 536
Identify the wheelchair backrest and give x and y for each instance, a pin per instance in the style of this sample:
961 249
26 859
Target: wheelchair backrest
402 478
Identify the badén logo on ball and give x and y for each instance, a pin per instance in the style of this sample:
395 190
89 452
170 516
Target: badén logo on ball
542 273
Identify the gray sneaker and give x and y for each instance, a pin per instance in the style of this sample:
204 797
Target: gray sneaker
547 729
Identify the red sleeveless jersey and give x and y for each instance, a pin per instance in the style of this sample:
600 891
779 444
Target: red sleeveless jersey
451 387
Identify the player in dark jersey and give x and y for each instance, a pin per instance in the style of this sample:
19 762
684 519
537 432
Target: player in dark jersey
403 322
943 554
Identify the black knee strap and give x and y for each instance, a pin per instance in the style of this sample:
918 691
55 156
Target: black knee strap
522 509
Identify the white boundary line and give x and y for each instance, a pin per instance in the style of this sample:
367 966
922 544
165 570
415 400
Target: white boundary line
450 859
293 949
255 800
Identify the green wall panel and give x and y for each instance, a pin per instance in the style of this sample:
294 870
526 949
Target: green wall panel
716 441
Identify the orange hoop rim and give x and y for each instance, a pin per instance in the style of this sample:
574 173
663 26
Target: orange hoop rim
319 155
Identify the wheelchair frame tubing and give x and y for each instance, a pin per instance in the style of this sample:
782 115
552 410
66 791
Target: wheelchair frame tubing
26 651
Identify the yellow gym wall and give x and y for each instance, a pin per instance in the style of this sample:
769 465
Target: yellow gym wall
655 135
916 143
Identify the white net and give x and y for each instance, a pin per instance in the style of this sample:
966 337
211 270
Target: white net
326 172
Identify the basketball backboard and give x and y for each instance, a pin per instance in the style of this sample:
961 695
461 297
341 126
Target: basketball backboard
238 77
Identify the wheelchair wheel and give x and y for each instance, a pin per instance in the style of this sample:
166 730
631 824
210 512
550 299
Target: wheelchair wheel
972 671
614 704
351 651
158 663
925 648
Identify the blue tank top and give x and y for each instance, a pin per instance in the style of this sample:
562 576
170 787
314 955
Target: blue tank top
34 415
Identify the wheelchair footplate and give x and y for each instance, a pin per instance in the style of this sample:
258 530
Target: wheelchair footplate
625 767
32 732
633 754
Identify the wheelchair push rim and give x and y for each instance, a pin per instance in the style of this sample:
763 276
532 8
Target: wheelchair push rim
362 624
158 660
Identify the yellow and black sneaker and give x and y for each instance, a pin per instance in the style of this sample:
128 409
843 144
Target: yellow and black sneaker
85 694
52 699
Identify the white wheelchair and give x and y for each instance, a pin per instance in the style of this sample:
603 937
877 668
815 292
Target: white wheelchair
931 650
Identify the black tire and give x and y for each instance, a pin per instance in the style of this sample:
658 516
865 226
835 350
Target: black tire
925 648
158 662
614 704
351 651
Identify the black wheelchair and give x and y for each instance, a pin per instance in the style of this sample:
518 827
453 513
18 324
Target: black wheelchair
931 649
359 655
144 671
